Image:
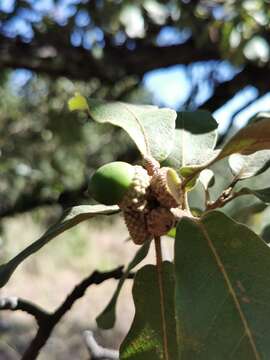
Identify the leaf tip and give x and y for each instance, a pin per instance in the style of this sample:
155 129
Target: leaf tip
77 102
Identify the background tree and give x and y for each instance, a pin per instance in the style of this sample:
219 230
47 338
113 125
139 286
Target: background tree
105 49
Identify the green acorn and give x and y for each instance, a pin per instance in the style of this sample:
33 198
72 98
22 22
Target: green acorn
119 183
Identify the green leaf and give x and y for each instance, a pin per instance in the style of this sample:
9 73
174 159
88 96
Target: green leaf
106 319
222 290
246 166
262 194
70 218
244 214
195 137
151 128
248 140
265 235
144 340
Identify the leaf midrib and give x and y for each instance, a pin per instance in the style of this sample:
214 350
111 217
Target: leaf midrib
147 146
231 290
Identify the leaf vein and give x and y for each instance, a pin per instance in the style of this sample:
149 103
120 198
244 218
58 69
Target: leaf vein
231 290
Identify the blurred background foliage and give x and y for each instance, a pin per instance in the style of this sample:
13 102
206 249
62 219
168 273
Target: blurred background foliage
108 49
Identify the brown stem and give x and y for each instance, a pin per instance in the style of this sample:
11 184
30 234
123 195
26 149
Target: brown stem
47 321
222 201
226 196
207 197
161 294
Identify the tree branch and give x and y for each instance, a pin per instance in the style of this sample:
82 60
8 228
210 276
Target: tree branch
47 321
250 75
14 304
56 58
52 58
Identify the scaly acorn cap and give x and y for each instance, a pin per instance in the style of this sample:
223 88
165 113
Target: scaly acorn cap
137 228
136 196
120 183
165 184
159 221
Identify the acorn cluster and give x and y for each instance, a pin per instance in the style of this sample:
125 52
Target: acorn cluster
142 193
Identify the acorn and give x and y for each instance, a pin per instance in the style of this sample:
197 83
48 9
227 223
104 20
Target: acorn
159 221
137 227
165 185
122 184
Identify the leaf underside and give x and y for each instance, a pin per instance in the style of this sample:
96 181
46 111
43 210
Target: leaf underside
246 166
261 194
248 140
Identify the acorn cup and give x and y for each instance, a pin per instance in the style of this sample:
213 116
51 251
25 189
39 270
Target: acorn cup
159 221
137 226
165 186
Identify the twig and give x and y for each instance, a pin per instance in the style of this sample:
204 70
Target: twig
14 303
225 197
96 351
47 321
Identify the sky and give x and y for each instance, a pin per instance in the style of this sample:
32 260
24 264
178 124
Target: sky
170 86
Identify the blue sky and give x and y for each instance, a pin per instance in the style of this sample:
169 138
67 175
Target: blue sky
171 87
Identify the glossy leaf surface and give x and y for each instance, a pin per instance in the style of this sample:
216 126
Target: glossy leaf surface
222 290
